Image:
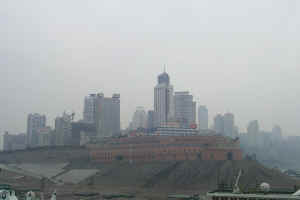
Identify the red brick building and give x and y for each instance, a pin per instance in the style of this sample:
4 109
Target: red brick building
166 148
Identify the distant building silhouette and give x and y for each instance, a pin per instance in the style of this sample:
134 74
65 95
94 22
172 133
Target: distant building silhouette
44 136
276 133
185 109
253 133
219 124
34 122
163 100
107 115
202 117
229 125
139 119
63 130
82 133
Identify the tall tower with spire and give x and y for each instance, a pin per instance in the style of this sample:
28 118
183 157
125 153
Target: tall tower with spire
163 100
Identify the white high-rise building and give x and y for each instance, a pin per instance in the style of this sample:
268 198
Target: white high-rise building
34 122
163 100
89 109
185 109
202 118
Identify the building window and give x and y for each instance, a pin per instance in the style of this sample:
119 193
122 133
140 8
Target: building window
212 156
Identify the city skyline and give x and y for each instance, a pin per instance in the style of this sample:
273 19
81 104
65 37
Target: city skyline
232 57
210 121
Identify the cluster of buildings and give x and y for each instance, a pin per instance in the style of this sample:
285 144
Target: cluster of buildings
173 129
101 118
257 138
175 112
169 132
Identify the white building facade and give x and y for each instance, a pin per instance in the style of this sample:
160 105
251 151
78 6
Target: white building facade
163 100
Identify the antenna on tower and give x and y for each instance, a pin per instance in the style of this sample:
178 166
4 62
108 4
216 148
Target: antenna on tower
164 68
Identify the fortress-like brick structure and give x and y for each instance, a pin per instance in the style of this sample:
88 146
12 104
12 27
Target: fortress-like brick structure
166 148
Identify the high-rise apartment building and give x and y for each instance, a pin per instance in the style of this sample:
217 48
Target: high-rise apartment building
107 115
219 124
139 119
202 118
163 100
5 142
229 125
34 122
89 109
185 109
63 129
44 136
276 133
253 133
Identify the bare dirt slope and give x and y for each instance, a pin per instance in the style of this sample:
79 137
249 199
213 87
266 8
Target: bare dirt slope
182 176
189 175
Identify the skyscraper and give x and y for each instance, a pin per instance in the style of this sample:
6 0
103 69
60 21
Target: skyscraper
34 122
276 133
219 124
203 118
89 109
185 109
163 100
107 115
139 119
253 133
63 130
150 120
229 125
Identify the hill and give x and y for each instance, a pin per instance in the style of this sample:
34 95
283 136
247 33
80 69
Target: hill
161 177
190 175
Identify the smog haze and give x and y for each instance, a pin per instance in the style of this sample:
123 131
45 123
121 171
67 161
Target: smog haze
233 56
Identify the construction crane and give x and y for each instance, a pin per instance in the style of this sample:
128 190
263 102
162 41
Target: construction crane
236 188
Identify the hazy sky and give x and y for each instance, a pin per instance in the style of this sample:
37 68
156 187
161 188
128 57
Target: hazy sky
234 56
